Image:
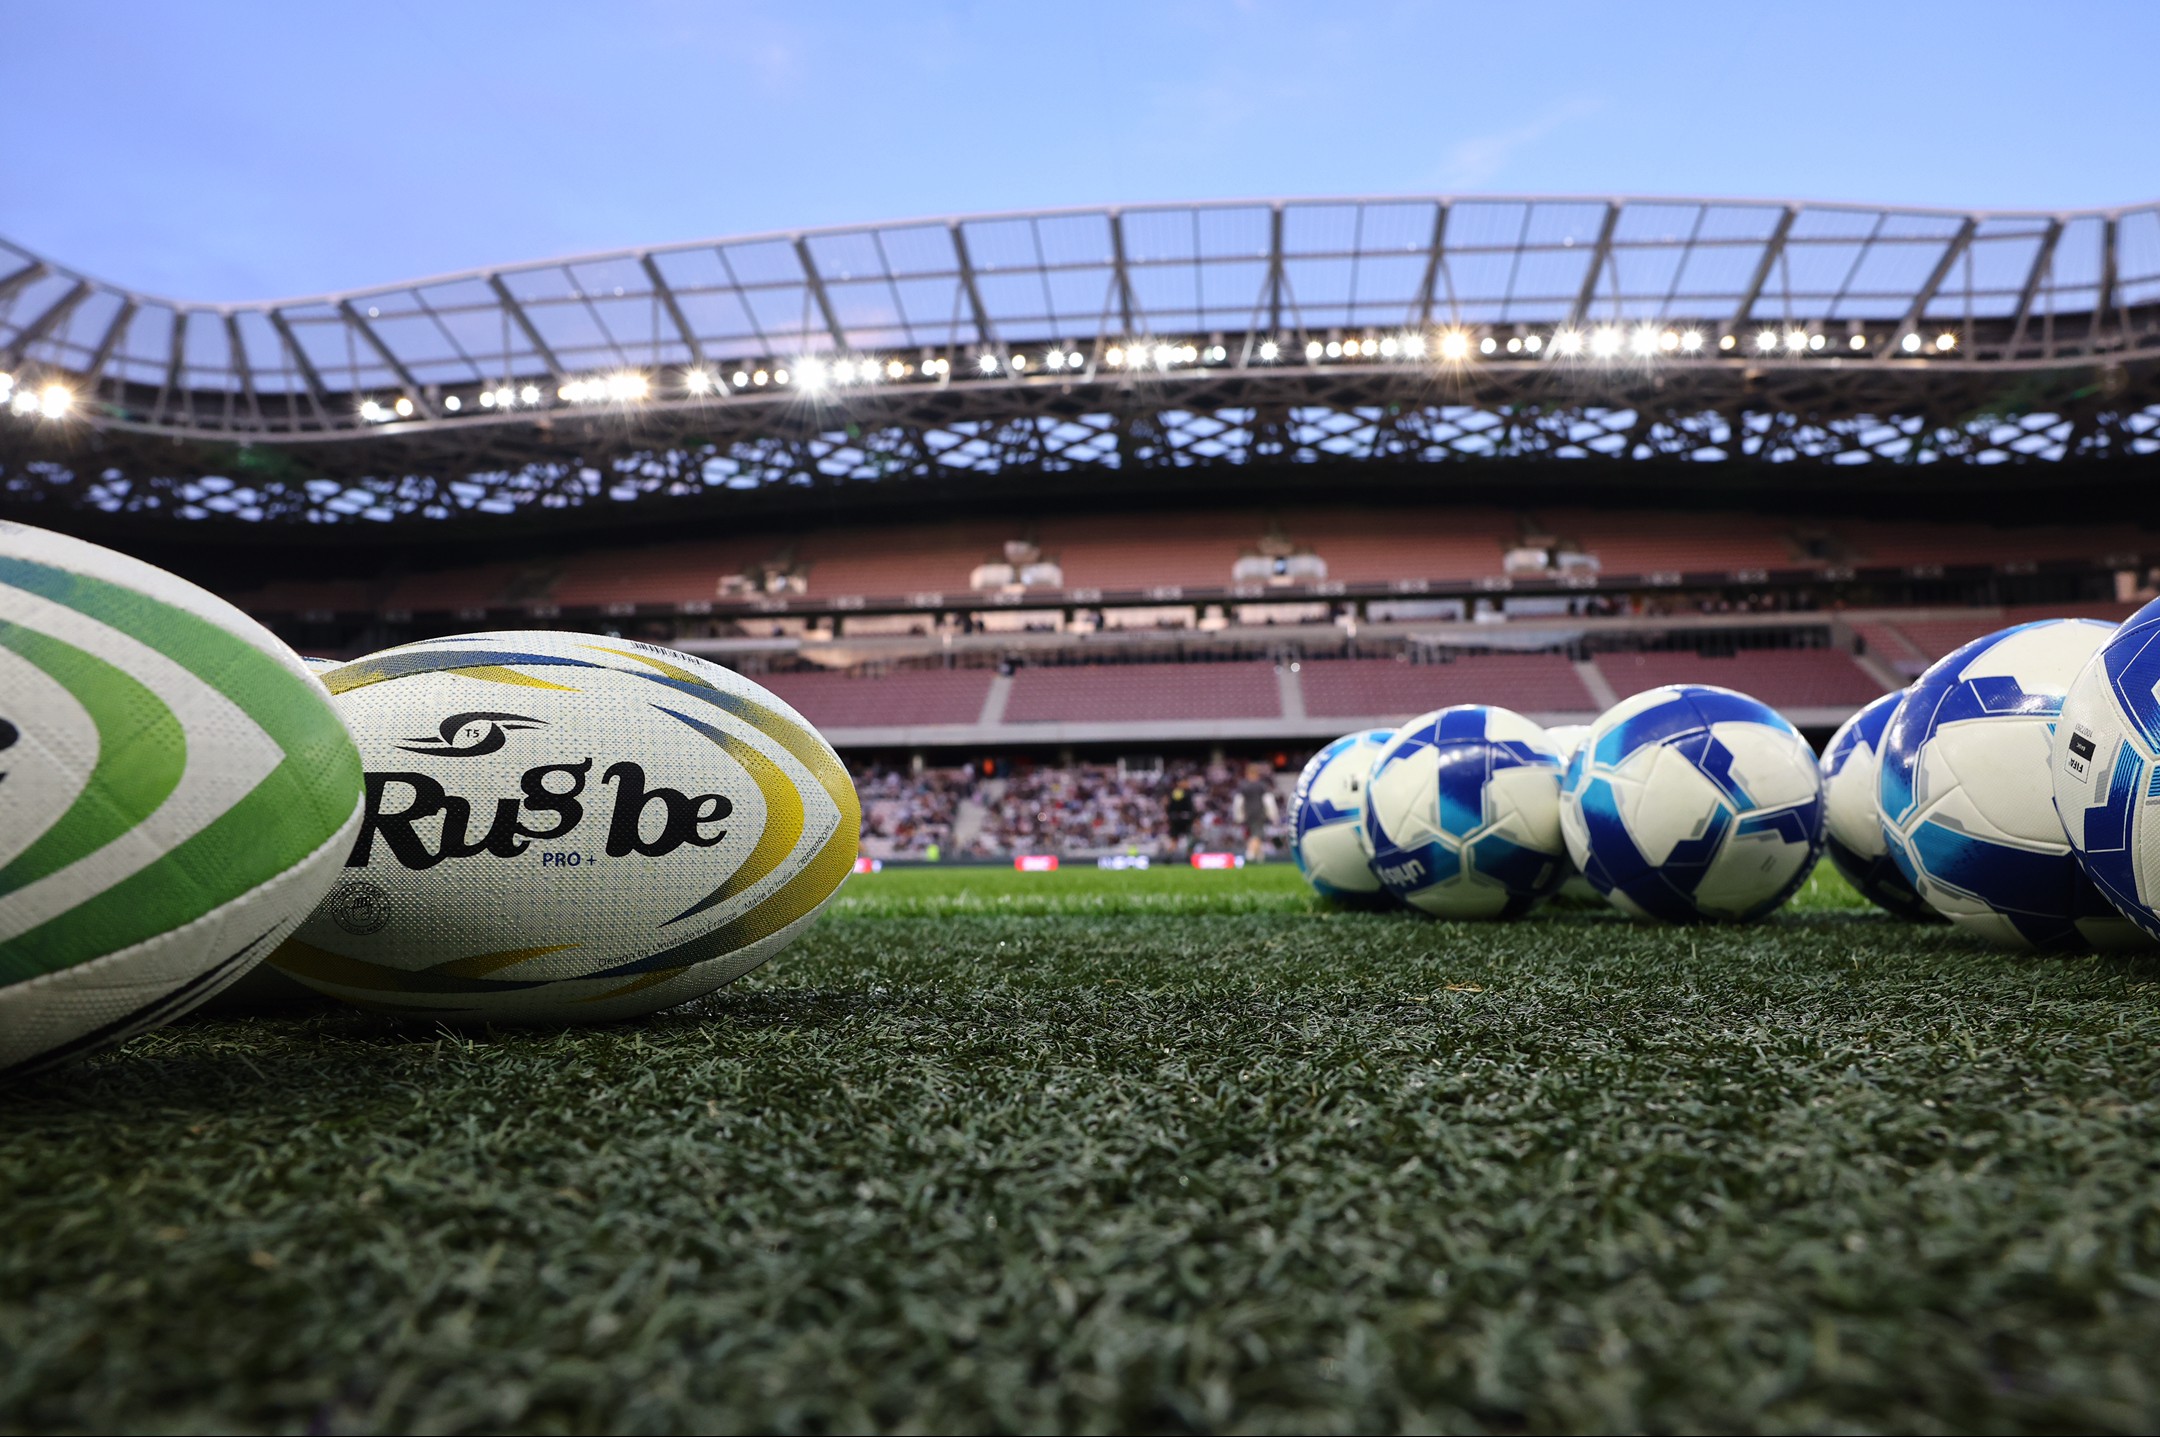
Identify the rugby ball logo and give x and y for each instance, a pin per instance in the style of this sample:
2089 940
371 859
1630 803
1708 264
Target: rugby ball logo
562 827
176 793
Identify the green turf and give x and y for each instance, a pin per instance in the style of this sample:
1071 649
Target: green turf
1096 1151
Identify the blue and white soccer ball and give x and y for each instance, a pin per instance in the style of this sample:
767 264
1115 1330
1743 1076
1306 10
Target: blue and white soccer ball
1692 803
1852 830
1462 814
1566 738
1327 811
1967 790
2106 766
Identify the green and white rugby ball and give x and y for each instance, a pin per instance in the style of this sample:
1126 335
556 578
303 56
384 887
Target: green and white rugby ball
176 793
568 828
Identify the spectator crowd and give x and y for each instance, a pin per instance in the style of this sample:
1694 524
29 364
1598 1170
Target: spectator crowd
1074 810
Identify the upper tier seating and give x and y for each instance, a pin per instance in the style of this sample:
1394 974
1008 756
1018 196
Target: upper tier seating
904 698
1386 689
1781 678
1123 693
1648 543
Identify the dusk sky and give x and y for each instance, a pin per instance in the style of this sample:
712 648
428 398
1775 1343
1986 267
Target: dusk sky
245 151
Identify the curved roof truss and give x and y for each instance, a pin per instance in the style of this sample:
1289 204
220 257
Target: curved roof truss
990 299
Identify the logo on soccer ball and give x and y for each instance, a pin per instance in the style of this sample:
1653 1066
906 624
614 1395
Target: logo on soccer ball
360 907
470 735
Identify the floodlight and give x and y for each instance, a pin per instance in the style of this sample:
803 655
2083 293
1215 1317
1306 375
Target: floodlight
697 381
530 394
1388 347
895 369
1766 341
810 374
1368 348
1690 341
1796 340
987 363
1726 341
1313 350
760 377
1859 341
740 379
1114 356
1414 345
781 376
1167 355
1644 342
1269 349
1514 345
1534 343
1946 341
54 400
1454 346
1668 341
1335 350
1569 342
1487 345
487 399
453 403
403 407
1055 359
372 412
1605 343
1910 344
1815 341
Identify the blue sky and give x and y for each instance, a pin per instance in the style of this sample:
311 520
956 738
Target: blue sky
250 150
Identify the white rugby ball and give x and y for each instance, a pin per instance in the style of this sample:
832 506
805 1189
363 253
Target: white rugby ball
565 828
176 794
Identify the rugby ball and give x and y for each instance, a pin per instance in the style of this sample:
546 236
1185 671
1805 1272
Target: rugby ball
565 828
176 793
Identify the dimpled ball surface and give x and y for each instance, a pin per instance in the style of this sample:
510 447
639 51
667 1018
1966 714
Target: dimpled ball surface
1967 793
1692 803
2105 767
1462 814
564 827
1852 830
1327 811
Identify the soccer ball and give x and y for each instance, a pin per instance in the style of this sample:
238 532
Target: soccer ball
1326 814
1853 834
1575 888
2106 764
1463 814
1967 798
1692 803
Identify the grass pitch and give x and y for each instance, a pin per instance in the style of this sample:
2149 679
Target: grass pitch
1169 1150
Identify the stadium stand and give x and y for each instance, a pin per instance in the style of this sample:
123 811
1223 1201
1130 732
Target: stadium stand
1654 542
1105 693
1782 678
902 698
1383 688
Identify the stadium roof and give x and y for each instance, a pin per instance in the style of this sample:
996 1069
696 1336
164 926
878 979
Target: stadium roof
1493 306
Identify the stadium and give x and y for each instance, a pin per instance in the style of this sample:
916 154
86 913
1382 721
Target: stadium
1170 482
1010 580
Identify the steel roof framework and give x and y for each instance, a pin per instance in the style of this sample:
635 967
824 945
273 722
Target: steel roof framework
2054 321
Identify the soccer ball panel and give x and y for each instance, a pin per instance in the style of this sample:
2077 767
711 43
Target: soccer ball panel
1995 771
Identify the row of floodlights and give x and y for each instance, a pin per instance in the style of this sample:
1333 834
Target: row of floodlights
1642 343
816 374
46 401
